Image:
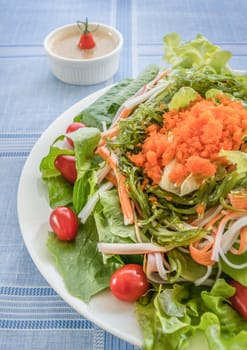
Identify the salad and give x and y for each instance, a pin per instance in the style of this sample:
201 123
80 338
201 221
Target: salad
148 191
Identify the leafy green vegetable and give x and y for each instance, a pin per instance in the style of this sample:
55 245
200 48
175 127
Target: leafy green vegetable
80 263
47 167
238 158
182 98
106 106
239 275
98 112
184 266
60 192
109 220
85 141
173 315
174 238
195 53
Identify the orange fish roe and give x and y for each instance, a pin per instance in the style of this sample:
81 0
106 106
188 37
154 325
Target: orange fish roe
194 138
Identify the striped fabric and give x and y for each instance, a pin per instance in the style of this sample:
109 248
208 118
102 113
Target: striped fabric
32 315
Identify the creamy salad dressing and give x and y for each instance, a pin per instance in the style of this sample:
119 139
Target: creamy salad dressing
65 44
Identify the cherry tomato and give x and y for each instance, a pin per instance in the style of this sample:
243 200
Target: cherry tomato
129 282
72 127
86 39
64 223
239 299
66 165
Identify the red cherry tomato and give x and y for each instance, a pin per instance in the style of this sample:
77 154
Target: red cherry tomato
239 299
86 39
129 282
66 165
64 223
72 127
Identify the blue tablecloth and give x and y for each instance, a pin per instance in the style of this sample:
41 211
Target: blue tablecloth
32 315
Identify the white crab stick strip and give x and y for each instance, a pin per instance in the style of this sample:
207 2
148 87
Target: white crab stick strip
134 101
91 203
129 248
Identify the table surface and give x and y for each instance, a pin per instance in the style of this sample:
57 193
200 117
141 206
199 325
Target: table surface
32 315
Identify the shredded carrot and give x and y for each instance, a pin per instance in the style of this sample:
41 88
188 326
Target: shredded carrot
194 138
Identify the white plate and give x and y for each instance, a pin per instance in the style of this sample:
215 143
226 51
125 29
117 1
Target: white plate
104 310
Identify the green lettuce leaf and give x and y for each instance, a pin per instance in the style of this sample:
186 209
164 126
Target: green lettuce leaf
80 263
195 53
185 266
47 167
236 157
239 275
182 98
104 109
109 220
174 315
85 141
60 191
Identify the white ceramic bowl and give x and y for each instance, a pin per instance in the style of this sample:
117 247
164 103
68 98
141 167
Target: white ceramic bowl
81 71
